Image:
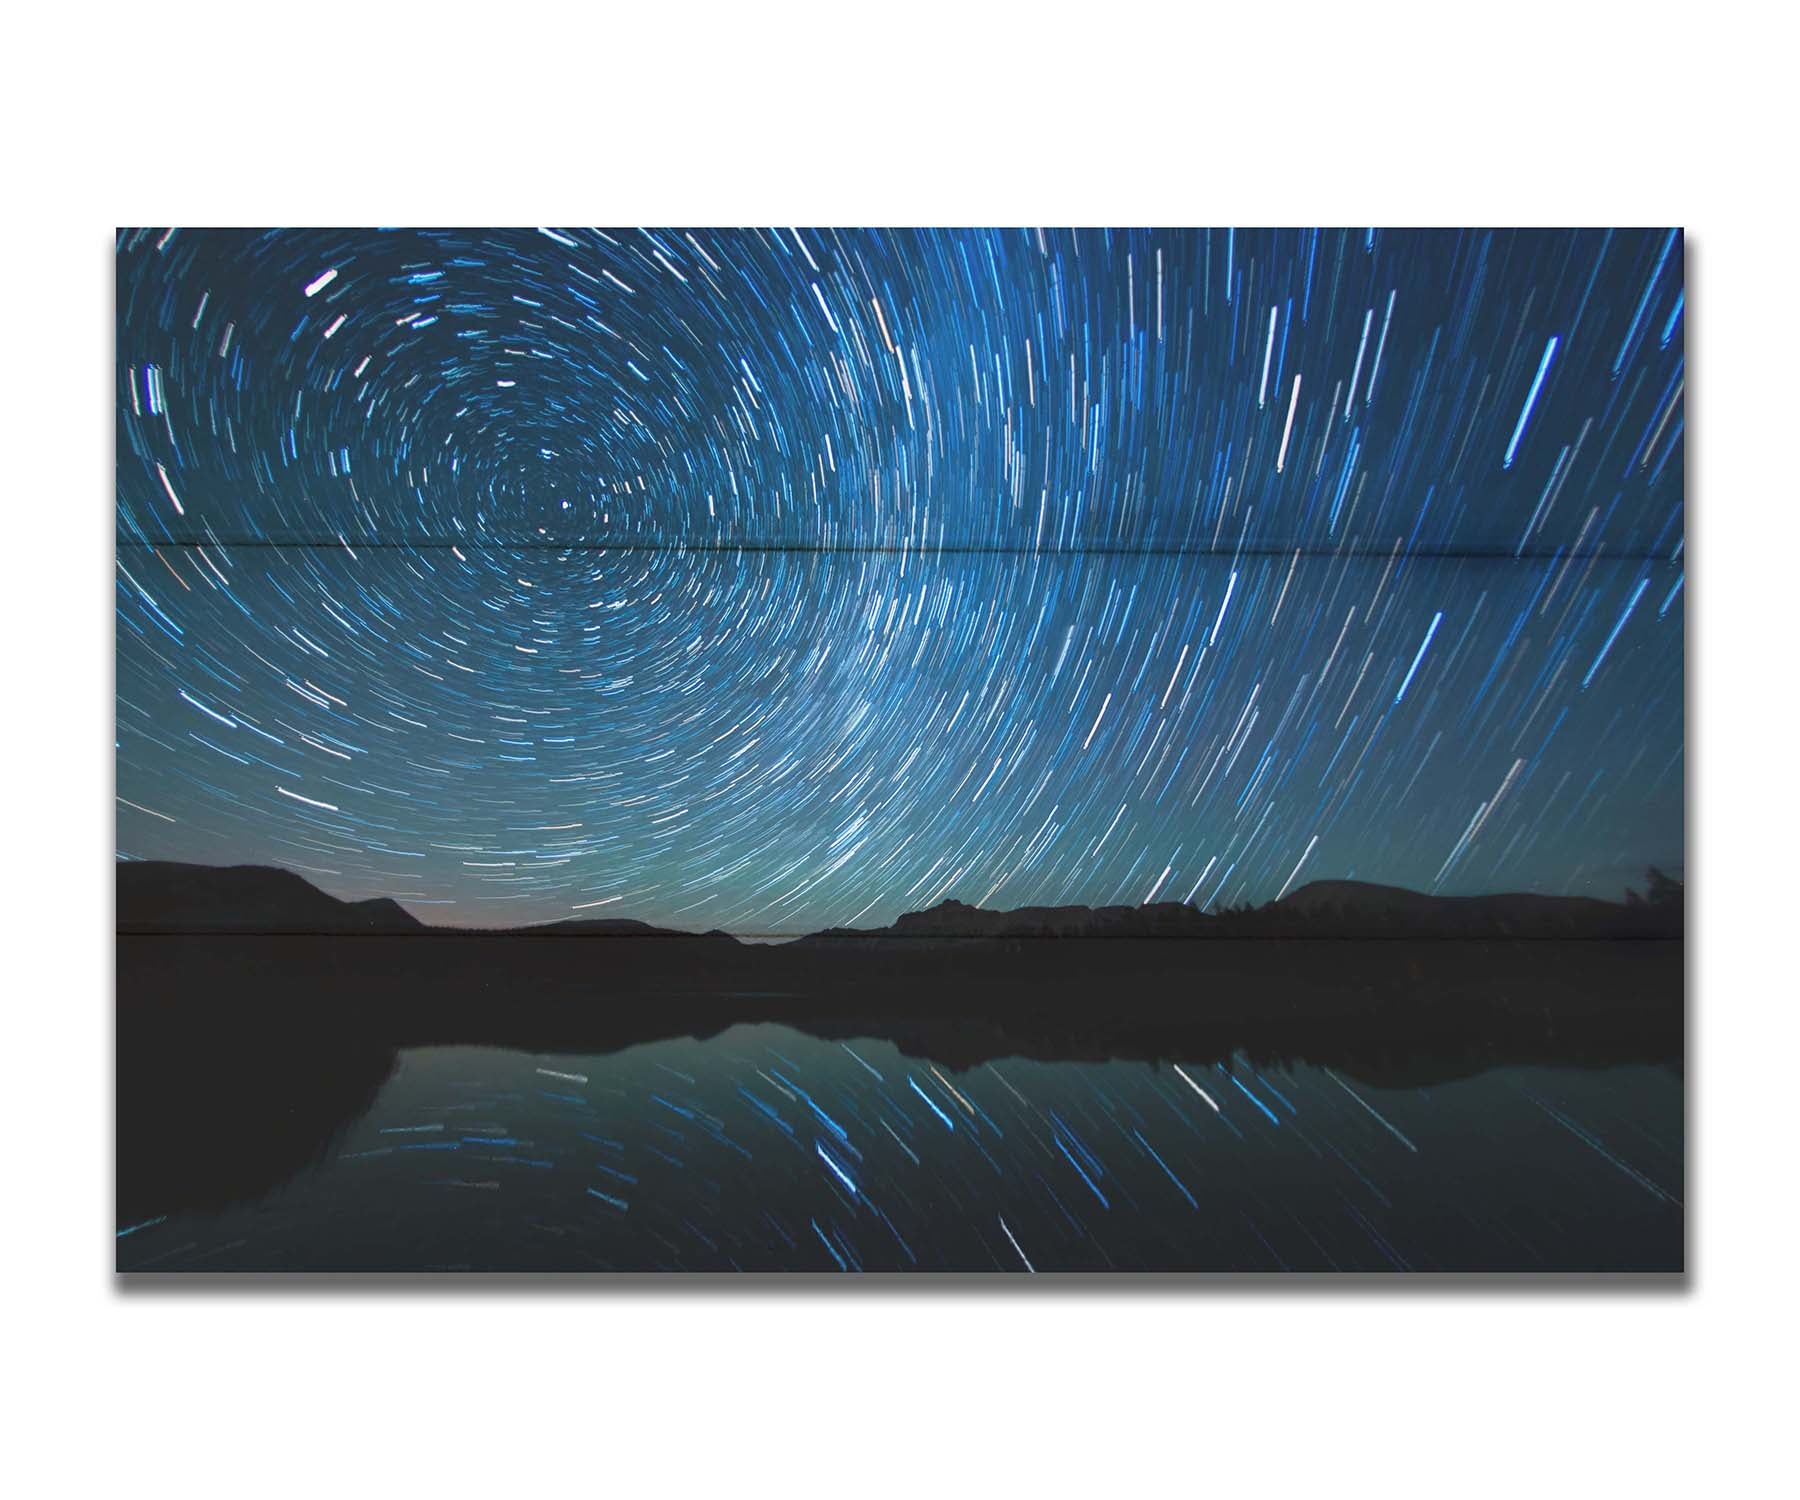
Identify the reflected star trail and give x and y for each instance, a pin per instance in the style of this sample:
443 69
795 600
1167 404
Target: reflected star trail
772 580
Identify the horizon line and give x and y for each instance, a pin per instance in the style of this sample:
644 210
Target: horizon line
1675 869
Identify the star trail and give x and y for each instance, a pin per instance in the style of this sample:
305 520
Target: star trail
773 580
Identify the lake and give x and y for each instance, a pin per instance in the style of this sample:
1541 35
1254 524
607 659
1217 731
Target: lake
765 1148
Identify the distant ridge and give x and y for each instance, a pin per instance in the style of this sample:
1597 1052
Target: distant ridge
163 896
1358 908
955 919
159 896
166 896
578 927
1321 909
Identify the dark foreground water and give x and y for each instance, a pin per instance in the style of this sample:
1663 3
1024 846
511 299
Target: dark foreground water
767 1149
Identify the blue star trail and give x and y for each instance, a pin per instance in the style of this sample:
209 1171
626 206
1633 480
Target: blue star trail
773 580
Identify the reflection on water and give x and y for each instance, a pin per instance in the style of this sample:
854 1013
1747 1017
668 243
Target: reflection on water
767 1149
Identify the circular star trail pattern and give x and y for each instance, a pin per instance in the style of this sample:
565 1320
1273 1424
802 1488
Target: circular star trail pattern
773 580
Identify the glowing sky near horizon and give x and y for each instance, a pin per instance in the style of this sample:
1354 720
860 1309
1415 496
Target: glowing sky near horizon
772 580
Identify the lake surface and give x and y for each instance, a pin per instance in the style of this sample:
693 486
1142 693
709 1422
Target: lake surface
763 1148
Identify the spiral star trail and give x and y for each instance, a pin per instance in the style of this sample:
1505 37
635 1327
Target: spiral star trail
774 580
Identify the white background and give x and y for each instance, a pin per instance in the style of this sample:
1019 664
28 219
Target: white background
1386 114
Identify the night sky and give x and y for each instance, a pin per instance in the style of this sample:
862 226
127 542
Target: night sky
773 580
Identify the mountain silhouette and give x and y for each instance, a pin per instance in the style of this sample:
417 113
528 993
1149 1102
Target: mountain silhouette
612 927
1321 909
1349 908
160 896
163 896
954 919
